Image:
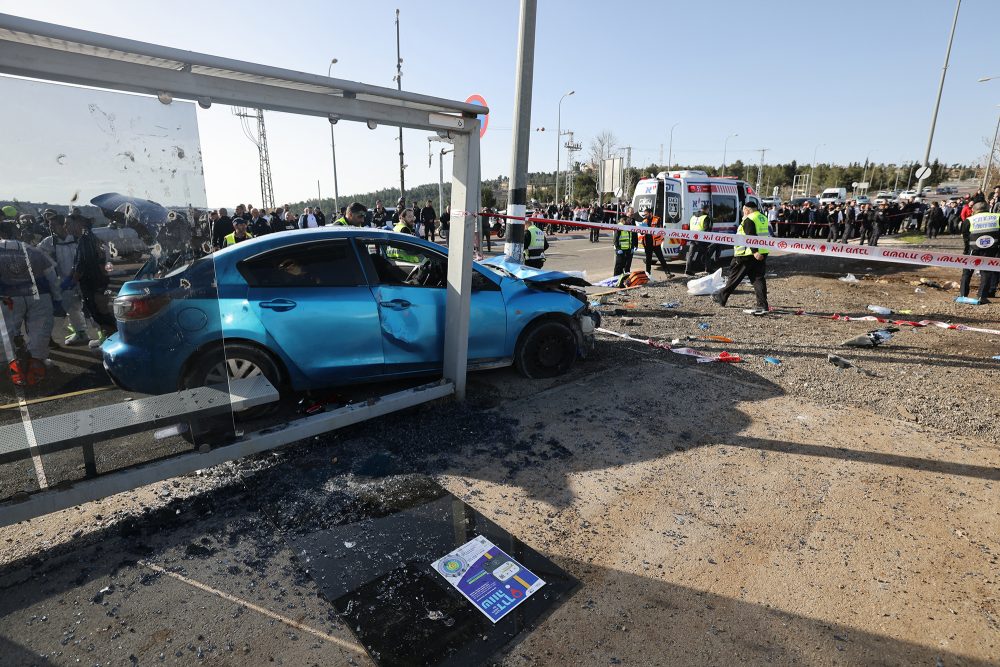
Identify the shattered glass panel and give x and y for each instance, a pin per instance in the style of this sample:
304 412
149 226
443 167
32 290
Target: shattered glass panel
376 570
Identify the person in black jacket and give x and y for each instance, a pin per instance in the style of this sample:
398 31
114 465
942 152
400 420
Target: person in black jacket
379 214
258 226
427 218
320 217
221 228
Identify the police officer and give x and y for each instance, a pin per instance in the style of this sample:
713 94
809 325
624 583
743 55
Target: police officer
749 261
981 233
535 245
354 215
625 243
651 244
699 253
239 234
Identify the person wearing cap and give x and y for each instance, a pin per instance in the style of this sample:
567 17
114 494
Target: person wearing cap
699 256
625 243
29 298
239 234
749 261
60 247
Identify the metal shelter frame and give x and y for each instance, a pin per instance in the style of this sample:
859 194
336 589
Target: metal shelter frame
62 54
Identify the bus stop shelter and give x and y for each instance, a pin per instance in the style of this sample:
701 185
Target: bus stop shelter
62 54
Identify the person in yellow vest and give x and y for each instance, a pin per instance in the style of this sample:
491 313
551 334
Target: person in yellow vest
625 243
749 261
699 253
651 244
404 226
239 233
981 233
354 216
535 245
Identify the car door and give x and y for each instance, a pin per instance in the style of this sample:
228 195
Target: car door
314 303
409 284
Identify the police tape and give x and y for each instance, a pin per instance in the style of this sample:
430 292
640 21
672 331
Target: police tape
700 357
804 246
906 323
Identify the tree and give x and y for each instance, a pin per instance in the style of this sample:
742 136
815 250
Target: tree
602 146
489 199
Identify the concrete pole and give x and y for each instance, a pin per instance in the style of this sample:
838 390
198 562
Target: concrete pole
399 86
513 247
989 162
937 104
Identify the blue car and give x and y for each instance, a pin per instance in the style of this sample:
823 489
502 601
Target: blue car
326 307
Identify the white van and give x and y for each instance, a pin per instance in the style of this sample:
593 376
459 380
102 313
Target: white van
676 196
833 196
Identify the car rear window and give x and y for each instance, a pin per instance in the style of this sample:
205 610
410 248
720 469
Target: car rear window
326 264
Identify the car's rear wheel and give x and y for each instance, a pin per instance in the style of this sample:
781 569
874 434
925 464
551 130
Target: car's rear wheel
546 350
241 361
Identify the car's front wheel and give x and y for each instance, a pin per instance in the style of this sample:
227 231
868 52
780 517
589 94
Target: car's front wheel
546 350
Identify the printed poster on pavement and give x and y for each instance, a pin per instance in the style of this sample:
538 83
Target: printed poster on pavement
488 578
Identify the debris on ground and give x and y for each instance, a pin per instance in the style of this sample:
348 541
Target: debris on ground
879 310
772 360
849 278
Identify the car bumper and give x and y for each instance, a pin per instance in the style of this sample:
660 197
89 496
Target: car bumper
134 369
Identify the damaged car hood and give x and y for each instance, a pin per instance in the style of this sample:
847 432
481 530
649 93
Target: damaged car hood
534 276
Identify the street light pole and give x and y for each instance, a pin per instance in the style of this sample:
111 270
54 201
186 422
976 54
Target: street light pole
518 196
725 147
812 169
989 162
937 104
670 152
559 139
399 86
333 150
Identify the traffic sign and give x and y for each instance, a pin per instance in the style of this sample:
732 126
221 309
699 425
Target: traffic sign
854 184
923 172
483 117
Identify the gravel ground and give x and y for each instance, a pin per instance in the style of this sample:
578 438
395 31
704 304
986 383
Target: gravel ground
715 513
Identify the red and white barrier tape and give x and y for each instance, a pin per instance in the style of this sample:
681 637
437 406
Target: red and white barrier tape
807 246
702 357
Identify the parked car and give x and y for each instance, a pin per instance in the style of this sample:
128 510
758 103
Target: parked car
325 307
798 201
862 199
907 195
885 198
833 196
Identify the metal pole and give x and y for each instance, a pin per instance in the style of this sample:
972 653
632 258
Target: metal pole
319 194
812 169
725 147
989 163
670 153
333 151
559 138
399 86
444 151
514 244
937 104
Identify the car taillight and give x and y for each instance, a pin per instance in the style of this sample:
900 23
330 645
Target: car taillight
139 306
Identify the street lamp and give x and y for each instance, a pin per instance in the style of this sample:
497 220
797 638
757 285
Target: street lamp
812 169
670 152
333 150
725 146
558 139
989 162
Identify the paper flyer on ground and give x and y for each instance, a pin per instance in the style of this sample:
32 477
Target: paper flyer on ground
488 578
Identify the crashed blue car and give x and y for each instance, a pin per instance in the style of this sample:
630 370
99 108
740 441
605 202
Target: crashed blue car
329 307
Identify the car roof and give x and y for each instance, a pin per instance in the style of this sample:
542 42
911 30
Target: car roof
278 239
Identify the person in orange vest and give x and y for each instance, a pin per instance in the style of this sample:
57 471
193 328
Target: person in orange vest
651 244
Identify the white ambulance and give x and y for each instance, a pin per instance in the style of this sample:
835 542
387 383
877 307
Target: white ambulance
677 195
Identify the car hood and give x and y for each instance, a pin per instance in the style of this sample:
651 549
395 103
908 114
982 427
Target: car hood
533 276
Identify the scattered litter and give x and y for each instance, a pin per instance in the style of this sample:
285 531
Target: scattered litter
703 325
628 321
717 339
931 283
905 312
772 360
595 304
871 339
951 284
349 545
671 304
706 285
880 310
995 357
849 278
704 357
757 312
918 291
967 300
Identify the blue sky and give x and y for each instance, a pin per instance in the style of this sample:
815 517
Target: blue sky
855 76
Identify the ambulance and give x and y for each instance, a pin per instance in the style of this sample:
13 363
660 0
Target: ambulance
677 195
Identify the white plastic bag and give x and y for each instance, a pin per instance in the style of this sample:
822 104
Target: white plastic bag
706 285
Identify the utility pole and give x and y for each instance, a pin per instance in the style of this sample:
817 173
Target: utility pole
627 181
760 170
670 153
333 150
259 139
989 162
399 86
558 140
944 70
571 147
661 154
513 248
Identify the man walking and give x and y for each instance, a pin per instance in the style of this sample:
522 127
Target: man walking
749 261
981 233
89 274
651 244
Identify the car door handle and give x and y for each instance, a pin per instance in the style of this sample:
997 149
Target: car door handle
395 304
278 305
